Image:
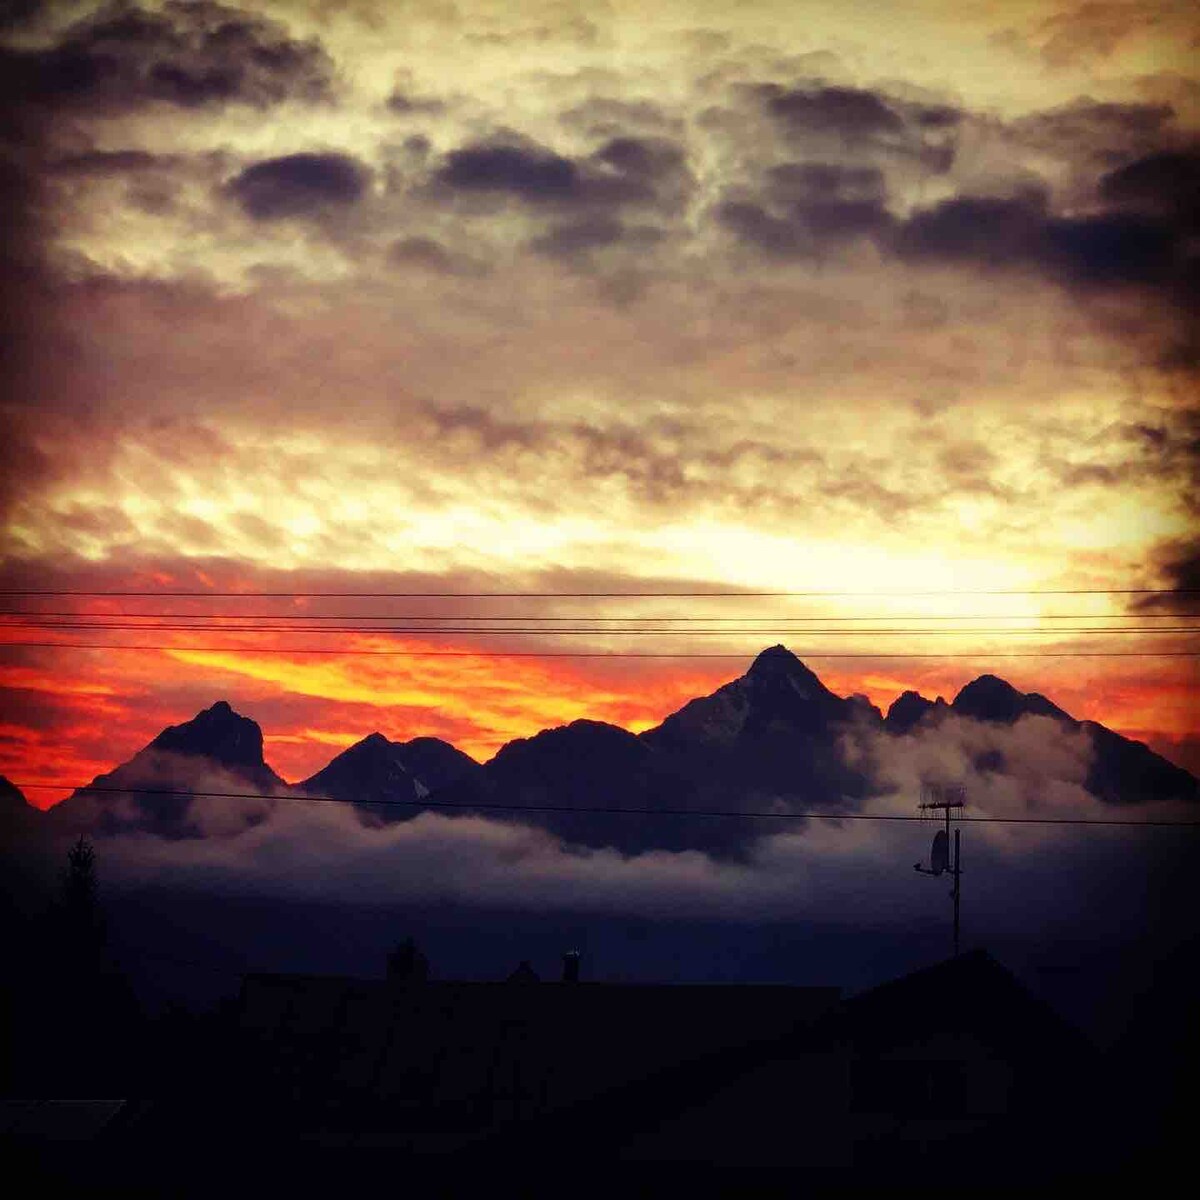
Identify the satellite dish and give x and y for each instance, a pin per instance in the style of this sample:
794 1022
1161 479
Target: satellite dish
939 856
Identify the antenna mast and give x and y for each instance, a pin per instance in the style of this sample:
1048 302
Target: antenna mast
943 797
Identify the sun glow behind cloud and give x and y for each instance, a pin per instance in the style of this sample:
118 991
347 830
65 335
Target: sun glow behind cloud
525 295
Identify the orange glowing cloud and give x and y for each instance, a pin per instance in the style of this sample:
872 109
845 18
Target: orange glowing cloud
83 715
477 699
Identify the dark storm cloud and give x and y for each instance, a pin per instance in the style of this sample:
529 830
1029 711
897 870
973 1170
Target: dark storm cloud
654 461
814 165
187 54
426 254
617 451
863 120
577 240
802 207
631 171
1111 249
143 181
530 174
1130 216
1164 184
666 465
1178 566
1136 455
648 159
1095 131
974 228
298 185
849 112
841 220
580 237
109 162
1130 221
1095 250
815 182
623 172
775 236
26 314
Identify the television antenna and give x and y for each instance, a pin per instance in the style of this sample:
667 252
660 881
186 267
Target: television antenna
945 798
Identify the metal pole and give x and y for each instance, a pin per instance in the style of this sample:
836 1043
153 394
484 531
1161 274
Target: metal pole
957 881
954 867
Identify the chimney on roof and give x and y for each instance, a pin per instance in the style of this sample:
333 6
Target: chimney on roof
524 973
571 967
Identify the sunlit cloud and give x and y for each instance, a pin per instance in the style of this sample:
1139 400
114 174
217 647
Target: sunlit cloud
757 297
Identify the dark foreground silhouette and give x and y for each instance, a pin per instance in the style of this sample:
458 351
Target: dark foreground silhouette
956 1071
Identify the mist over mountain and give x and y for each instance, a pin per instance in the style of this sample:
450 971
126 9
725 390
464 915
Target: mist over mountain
1121 770
774 740
276 878
155 792
377 773
774 731
558 773
765 742
908 709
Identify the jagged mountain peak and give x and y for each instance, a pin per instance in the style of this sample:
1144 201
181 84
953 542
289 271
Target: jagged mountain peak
778 697
217 732
372 750
11 795
373 743
778 686
778 660
17 816
774 658
379 769
216 718
987 684
580 735
575 757
906 711
990 698
776 668
163 778
774 732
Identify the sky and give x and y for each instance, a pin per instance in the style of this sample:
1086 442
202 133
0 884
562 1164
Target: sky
895 301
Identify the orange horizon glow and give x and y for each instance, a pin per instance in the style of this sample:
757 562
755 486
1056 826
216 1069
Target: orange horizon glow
311 707
505 327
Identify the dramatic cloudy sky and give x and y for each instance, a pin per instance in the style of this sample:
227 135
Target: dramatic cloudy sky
774 296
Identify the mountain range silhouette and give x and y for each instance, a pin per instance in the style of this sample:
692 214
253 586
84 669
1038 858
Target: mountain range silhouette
770 740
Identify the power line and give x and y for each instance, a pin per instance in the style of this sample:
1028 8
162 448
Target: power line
742 594
604 810
356 651
207 625
538 617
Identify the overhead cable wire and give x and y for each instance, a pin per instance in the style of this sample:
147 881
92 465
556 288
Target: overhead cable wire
604 810
208 626
541 595
544 618
484 652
